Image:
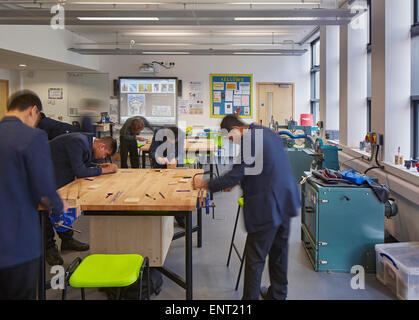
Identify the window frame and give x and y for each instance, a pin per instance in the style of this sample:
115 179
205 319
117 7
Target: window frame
415 23
414 127
368 114
315 69
369 6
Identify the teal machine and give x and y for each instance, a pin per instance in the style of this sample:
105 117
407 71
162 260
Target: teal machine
313 154
341 224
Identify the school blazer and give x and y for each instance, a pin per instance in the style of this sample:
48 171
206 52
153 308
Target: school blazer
270 196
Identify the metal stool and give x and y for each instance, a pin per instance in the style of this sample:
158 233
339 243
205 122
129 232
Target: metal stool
233 246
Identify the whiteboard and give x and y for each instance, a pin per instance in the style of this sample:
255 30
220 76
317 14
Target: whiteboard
88 94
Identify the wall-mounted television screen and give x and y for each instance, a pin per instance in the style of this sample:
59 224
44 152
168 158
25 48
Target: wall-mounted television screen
151 98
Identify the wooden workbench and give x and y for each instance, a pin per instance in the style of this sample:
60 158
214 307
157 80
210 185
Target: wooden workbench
135 223
190 145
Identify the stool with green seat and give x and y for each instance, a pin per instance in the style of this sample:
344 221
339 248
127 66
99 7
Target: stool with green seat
107 271
240 201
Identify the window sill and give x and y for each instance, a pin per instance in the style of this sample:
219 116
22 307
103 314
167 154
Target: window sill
399 171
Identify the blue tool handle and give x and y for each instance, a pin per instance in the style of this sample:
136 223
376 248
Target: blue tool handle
207 208
301 136
389 258
67 218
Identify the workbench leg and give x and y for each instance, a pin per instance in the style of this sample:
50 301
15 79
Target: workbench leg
199 214
211 173
41 282
188 256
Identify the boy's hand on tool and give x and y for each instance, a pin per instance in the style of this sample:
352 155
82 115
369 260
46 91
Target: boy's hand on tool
110 168
141 139
199 183
162 161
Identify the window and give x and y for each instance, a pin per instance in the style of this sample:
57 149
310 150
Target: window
368 114
315 80
369 24
415 128
415 12
414 149
369 67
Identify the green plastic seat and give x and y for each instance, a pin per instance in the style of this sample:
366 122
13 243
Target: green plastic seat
189 160
107 270
240 201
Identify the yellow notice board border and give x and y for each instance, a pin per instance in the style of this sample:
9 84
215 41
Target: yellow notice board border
220 81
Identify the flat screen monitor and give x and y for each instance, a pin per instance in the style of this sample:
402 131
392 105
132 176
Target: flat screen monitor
152 98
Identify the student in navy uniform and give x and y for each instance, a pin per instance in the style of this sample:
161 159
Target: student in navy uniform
26 180
54 128
128 140
72 156
170 136
168 156
271 199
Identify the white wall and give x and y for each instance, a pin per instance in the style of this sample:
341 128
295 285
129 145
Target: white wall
44 42
4 74
199 68
40 81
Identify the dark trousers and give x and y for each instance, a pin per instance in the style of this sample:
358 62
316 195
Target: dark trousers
49 234
272 242
131 148
19 282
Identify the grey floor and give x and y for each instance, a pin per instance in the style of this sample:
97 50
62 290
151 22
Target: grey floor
213 280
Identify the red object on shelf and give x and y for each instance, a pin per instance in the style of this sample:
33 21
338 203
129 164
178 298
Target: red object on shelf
306 119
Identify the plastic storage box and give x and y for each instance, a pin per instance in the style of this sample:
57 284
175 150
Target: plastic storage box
398 268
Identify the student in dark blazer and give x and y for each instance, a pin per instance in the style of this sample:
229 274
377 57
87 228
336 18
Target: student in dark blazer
164 152
55 128
72 156
271 199
26 180
128 140
168 156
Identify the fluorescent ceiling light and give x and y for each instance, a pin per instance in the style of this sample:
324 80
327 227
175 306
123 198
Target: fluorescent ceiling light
258 53
153 34
194 3
278 3
113 3
164 44
255 44
273 18
185 34
22 65
118 18
164 52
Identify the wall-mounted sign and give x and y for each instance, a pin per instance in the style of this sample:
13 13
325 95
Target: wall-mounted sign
231 94
55 93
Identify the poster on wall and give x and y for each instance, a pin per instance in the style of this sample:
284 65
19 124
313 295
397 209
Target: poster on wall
231 94
55 93
195 96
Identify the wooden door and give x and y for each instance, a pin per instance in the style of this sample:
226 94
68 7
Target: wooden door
277 100
4 94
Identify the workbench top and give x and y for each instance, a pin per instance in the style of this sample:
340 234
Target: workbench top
205 145
91 194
